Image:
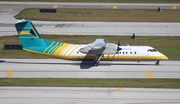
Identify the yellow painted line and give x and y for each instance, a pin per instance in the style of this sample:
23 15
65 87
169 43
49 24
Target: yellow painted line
118 90
9 73
114 7
149 74
55 6
174 7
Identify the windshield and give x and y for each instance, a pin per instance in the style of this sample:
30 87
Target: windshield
151 50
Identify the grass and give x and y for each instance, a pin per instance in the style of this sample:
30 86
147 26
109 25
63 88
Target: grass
107 15
104 1
168 45
92 82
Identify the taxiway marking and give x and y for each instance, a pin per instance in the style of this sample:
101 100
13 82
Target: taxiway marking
118 90
9 73
149 74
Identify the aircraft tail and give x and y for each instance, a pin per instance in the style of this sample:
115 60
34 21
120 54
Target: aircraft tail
28 34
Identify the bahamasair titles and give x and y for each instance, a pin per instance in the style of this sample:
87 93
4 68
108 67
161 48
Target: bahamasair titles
97 50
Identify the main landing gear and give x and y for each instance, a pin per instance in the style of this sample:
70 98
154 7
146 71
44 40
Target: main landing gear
97 59
157 62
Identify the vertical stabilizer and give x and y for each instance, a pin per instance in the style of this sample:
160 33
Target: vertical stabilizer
28 34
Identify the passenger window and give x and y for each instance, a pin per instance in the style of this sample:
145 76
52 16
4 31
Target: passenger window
134 52
130 52
126 52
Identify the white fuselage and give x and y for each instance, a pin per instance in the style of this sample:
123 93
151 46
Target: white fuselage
126 53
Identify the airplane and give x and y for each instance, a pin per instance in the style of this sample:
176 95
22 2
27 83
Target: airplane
97 50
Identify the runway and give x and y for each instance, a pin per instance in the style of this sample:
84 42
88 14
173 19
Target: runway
9 9
92 5
95 28
57 68
86 95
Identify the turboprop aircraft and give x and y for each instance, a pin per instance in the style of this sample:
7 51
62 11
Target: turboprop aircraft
97 50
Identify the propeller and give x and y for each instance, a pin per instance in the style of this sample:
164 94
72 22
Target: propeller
118 47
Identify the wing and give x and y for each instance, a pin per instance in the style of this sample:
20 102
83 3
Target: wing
99 46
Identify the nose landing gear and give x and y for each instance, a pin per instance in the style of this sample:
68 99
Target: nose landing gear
157 63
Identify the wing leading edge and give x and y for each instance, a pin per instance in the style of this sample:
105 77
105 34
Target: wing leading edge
99 46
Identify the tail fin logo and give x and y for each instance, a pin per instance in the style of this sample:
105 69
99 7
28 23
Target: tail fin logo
28 34
26 29
33 33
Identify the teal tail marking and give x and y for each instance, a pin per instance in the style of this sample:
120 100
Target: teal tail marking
31 40
28 34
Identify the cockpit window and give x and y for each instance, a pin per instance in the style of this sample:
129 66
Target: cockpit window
151 50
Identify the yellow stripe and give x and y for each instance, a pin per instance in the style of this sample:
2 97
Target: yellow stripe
36 52
9 73
23 32
60 49
118 90
55 6
135 58
73 50
28 37
35 32
62 52
49 46
66 50
56 48
149 74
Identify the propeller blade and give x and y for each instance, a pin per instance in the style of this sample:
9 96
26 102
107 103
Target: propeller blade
118 48
118 42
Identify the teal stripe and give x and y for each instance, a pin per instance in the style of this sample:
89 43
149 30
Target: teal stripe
25 35
52 48
49 46
47 51
24 29
57 48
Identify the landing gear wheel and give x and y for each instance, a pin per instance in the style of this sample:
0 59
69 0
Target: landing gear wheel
157 63
96 64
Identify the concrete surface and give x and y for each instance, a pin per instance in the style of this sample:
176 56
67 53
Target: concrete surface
86 95
57 68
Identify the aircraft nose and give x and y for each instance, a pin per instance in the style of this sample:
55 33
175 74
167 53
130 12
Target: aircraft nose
165 57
